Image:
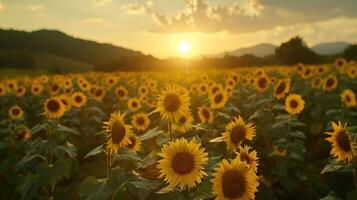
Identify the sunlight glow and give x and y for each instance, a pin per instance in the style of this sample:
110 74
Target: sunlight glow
184 47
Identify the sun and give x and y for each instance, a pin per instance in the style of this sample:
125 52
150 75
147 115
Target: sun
184 47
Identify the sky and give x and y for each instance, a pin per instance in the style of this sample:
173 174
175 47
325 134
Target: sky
156 27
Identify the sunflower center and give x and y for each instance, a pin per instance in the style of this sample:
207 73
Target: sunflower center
15 111
238 134
330 82
245 157
53 105
172 102
182 120
121 93
294 103
281 87
183 163
54 87
234 184
218 98
134 104
206 114
215 89
118 132
348 98
99 93
140 121
78 99
262 83
343 141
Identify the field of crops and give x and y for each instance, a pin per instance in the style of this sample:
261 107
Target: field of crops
249 133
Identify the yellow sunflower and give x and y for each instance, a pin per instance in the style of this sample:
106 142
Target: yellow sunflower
141 121
281 89
23 133
118 132
234 181
16 112
340 138
294 104
218 99
202 89
143 90
2 90
248 155
348 97
205 115
66 101
54 89
36 89
330 83
121 92
54 108
99 94
237 131
20 91
279 150
78 99
262 83
173 102
183 124
135 144
316 83
134 104
182 163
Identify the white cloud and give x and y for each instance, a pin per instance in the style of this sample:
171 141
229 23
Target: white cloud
35 7
133 9
100 2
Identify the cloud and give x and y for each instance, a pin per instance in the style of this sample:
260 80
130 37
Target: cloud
244 16
96 21
133 9
100 2
35 7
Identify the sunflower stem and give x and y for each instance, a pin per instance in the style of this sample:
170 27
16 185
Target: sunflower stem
170 130
50 159
109 169
355 177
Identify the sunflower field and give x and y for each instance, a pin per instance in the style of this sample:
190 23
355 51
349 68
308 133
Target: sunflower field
249 133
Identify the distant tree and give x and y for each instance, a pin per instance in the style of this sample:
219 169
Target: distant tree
350 53
296 51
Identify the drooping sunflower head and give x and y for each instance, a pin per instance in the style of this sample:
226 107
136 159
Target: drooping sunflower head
281 89
54 108
205 115
248 155
134 104
16 112
294 104
173 102
340 139
237 131
78 99
348 97
330 83
140 121
117 131
135 144
23 133
182 163
218 100
234 181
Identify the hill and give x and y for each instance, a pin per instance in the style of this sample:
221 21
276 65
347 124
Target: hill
331 48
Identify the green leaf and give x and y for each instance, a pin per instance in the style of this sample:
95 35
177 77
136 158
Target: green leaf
28 186
91 189
125 155
165 190
351 195
37 128
331 166
94 151
217 139
148 160
331 196
150 134
257 114
279 107
298 134
65 129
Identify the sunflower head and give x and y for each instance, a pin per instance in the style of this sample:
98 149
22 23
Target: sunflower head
234 181
248 155
36 89
54 108
294 104
205 115
121 92
218 99
281 89
182 163
135 144
140 121
237 131
134 104
23 133
348 97
340 139
262 83
173 102
2 90
78 99
16 112
184 123
330 83
279 150
117 131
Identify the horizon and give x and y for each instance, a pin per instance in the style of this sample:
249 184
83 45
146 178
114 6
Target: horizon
211 27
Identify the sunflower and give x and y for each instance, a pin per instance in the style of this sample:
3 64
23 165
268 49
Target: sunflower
202 89
236 131
78 99
23 133
294 104
281 89
143 90
54 108
248 155
205 115
340 138
121 92
16 112
20 91
215 88
279 150
173 102
36 89
134 104
182 163
184 123
54 89
135 144
316 83
2 90
352 72
99 94
65 101
234 181
117 131
348 97
141 121
11 85
330 83
218 100
262 83
340 62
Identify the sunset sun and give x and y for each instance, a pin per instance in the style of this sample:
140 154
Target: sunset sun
184 47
